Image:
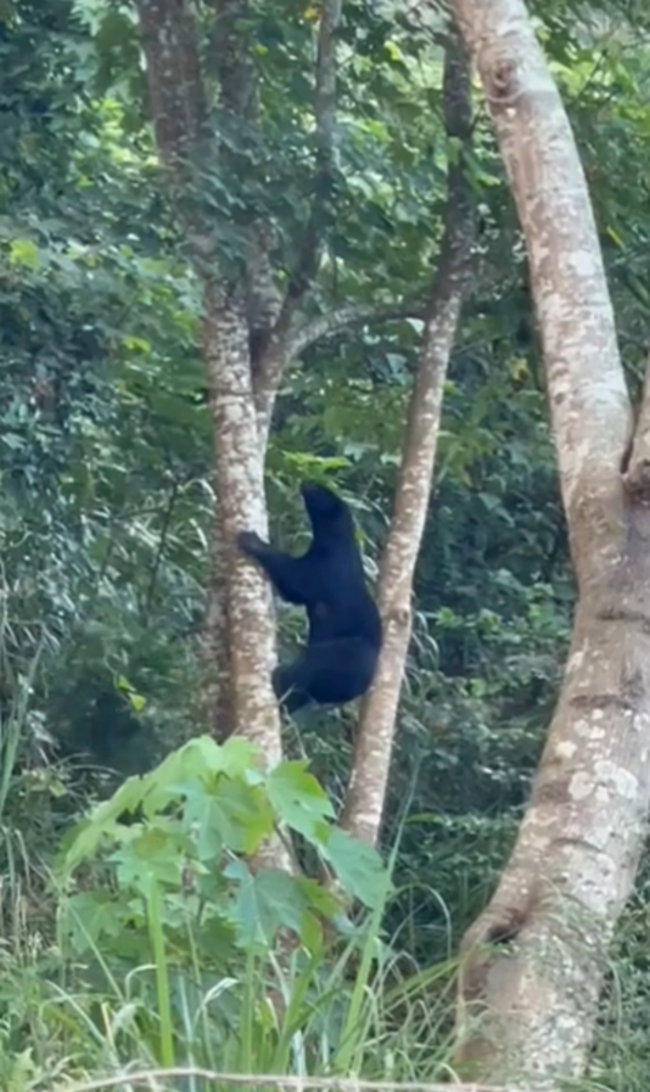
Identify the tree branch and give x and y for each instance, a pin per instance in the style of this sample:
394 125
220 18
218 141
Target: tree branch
271 354
354 314
325 114
263 1082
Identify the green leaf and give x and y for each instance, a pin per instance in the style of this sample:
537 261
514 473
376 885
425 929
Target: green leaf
358 868
24 252
266 901
299 800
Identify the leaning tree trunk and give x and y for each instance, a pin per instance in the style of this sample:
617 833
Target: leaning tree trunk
364 802
527 1006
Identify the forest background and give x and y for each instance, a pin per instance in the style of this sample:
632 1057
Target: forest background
106 462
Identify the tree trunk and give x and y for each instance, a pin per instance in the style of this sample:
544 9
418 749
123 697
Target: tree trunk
240 489
527 1007
240 622
364 803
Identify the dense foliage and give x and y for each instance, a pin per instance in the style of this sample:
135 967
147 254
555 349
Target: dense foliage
105 463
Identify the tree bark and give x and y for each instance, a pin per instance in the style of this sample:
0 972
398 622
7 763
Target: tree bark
527 1006
240 489
364 803
240 630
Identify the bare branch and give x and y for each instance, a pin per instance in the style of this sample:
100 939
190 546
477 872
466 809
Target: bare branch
355 314
148 1077
267 375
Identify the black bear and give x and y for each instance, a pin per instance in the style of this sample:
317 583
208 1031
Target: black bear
344 639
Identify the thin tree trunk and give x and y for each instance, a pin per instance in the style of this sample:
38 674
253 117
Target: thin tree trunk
364 801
